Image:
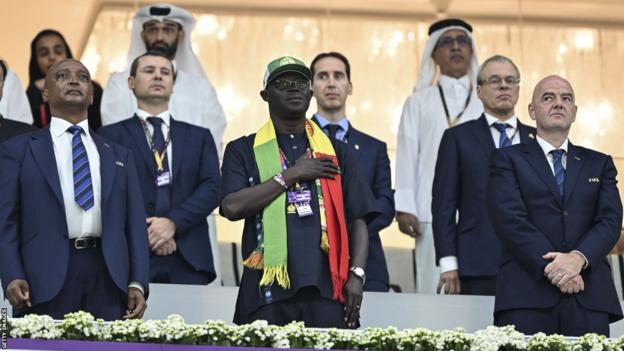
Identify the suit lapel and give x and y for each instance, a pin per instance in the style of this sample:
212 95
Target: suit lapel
484 136
574 165
525 133
539 163
107 167
43 152
134 127
355 142
178 140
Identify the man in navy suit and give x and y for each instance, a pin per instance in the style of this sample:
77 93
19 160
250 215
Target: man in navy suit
178 169
331 85
467 249
73 235
557 211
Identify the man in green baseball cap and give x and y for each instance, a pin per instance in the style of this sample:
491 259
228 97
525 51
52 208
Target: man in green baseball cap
283 65
305 212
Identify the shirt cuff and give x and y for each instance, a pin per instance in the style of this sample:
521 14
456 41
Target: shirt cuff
585 258
138 286
448 263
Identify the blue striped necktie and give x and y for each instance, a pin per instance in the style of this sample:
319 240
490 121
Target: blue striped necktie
558 168
83 188
503 140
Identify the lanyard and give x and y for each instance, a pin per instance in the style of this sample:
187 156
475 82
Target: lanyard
159 156
448 117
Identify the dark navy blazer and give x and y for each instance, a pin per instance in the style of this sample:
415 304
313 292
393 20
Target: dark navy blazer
9 129
459 185
33 229
195 187
373 165
531 218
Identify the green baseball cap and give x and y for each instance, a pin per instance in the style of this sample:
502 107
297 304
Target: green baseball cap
282 65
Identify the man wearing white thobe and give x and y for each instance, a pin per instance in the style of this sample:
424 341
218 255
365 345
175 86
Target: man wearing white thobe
434 106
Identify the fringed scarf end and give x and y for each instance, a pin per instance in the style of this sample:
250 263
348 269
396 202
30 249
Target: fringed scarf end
255 260
279 273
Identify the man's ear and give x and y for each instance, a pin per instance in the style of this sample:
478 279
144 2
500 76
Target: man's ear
44 94
131 82
264 94
532 111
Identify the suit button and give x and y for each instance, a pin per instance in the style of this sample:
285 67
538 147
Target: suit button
564 244
565 213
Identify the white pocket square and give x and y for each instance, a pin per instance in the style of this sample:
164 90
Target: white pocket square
594 180
119 163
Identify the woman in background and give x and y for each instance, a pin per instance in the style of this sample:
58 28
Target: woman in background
47 48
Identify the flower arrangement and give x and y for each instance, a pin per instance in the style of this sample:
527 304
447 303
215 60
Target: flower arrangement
173 330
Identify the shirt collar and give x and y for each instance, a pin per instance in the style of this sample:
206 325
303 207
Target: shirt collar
448 82
59 126
513 121
547 147
323 122
163 115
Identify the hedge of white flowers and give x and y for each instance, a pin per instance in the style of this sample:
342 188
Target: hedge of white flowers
173 330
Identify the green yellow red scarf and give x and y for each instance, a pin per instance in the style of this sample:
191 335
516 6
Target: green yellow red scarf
271 255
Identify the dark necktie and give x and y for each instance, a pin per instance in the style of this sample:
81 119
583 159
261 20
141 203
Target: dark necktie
83 188
503 140
332 130
558 168
163 195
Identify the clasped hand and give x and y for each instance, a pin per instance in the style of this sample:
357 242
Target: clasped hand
160 232
564 271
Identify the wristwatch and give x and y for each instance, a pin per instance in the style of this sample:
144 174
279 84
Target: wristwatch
359 271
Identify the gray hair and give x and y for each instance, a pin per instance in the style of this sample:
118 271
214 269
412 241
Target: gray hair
495 58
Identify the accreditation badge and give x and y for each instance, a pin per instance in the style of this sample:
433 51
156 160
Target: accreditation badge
163 179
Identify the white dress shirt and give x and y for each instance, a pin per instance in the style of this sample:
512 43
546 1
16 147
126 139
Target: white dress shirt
80 223
449 263
513 133
547 148
165 126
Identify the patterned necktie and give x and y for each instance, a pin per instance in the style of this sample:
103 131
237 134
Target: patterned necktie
333 129
83 188
558 168
503 140
163 195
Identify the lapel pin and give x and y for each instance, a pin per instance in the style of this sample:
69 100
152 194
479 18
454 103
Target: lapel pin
119 163
577 158
531 136
357 147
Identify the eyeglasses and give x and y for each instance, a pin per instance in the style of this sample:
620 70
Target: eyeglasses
447 42
496 81
283 84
